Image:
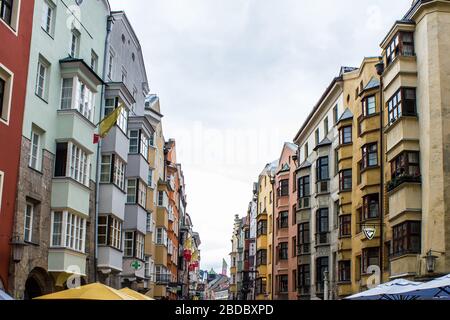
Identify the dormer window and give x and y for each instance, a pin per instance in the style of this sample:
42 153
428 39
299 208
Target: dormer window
401 45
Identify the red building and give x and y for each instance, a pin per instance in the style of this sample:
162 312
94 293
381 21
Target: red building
16 22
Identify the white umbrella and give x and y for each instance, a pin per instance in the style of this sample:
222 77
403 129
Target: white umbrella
435 289
387 291
4 296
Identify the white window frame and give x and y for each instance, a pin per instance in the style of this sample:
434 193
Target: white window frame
75 40
15 18
73 233
84 99
42 66
140 246
115 233
119 172
144 145
104 226
35 157
65 97
149 223
8 77
134 141
135 181
127 241
105 166
61 231
28 226
48 13
142 194
79 163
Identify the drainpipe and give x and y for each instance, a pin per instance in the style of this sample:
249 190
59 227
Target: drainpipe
272 181
380 69
99 146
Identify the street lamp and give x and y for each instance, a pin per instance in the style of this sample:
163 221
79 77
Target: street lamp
380 67
17 248
431 261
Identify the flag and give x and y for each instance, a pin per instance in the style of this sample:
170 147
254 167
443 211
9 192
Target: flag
188 244
195 256
96 138
108 123
224 267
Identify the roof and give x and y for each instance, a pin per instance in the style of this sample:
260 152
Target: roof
325 142
346 115
373 83
70 60
285 168
305 164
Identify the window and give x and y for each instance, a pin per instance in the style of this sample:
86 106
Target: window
322 169
304 187
68 231
151 141
369 106
106 169
122 121
111 64
161 237
119 172
115 233
142 194
283 253
76 159
294 246
162 199
406 164
317 137
262 228
407 238
261 258
304 239
304 278
134 141
370 257
94 61
2 98
144 145
74 43
140 254
325 126
322 222
129 244
35 151
306 151
28 223
149 223
131 191
345 226
321 267
284 220
48 17
57 229
283 284
345 135
345 180
283 190
66 94
102 231
403 103
85 101
371 206
41 79
335 114
344 271
260 286
401 45
369 156
6 11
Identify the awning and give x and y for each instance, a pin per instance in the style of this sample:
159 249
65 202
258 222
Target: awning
95 291
135 294
435 289
388 291
5 296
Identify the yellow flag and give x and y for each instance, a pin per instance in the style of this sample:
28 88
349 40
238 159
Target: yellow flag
109 122
188 244
195 256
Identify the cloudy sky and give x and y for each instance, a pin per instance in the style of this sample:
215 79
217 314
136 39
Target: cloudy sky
237 78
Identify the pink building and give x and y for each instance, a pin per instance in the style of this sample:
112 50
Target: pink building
285 226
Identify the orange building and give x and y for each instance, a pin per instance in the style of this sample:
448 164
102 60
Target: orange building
285 226
173 180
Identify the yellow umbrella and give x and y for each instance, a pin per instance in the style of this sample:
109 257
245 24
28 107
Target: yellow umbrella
94 291
135 294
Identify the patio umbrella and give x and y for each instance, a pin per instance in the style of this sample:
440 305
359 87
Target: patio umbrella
388 291
438 289
5 296
135 294
94 291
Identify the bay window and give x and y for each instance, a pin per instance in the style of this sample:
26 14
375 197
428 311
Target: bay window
407 164
283 189
119 172
113 171
304 278
262 228
68 231
345 135
403 103
370 258
161 237
136 192
401 45
284 220
345 180
304 238
371 206
345 271
369 106
134 141
140 253
322 169
144 145
345 226
407 238
129 244
138 143
83 101
72 162
369 156
110 231
122 121
283 251
322 226
261 257
304 188
322 266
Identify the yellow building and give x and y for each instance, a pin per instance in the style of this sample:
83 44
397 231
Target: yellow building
234 256
264 236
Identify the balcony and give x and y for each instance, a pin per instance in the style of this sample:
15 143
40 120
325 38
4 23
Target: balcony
112 200
402 135
72 125
137 167
65 260
135 218
110 258
405 265
322 239
304 249
405 198
116 142
67 193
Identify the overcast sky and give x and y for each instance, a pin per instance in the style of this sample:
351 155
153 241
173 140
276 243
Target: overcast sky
237 78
